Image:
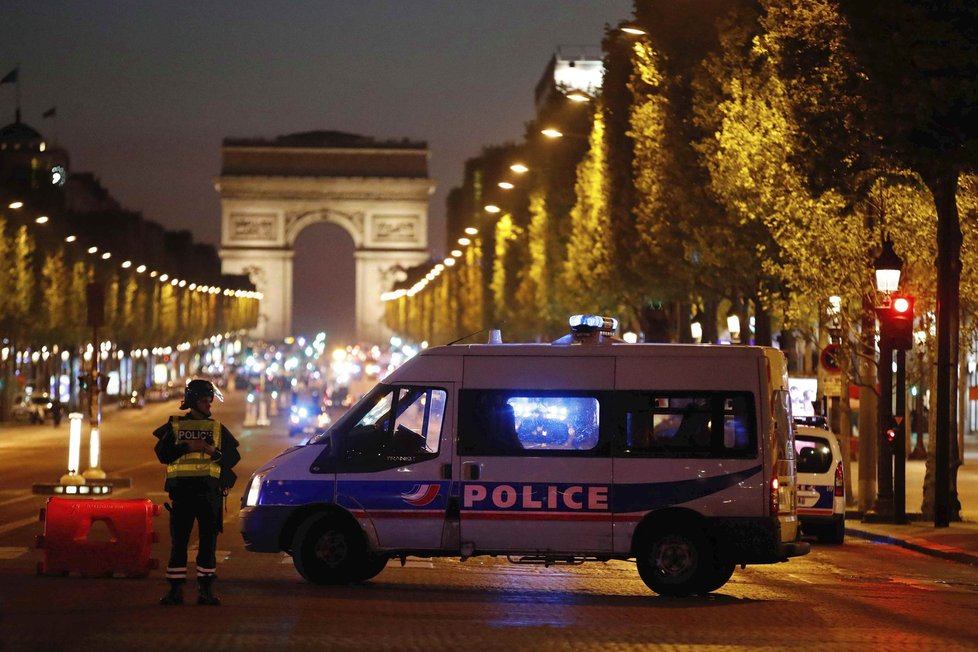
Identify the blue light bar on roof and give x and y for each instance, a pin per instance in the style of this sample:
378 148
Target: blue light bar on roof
589 323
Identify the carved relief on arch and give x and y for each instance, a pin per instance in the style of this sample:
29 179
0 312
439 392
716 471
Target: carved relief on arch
352 223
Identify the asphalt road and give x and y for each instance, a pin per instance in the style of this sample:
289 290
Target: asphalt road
856 596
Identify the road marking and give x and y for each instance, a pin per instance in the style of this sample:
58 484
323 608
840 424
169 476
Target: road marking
16 525
17 499
418 563
12 552
138 466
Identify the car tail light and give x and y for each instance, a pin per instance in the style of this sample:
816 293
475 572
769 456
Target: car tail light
840 489
775 507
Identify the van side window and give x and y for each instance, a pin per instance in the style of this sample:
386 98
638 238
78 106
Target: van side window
527 423
687 424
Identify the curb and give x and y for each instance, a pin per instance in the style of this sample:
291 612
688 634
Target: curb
918 545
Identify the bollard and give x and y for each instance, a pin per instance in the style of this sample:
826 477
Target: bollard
93 472
251 412
71 476
263 412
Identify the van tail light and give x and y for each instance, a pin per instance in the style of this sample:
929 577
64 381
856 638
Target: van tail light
840 488
775 507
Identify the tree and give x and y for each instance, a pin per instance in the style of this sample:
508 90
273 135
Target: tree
910 103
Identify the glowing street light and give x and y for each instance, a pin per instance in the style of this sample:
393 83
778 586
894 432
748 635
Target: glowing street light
888 266
492 208
505 185
550 132
519 168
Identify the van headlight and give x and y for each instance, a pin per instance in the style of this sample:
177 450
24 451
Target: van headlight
254 489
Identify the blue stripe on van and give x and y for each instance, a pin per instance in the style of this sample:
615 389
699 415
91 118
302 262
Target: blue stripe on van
414 496
296 492
645 496
409 495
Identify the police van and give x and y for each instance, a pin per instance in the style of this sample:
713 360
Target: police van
821 480
587 449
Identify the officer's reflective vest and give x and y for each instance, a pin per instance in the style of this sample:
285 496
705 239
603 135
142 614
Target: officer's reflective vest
195 465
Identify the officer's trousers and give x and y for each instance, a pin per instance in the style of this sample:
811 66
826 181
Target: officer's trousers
187 506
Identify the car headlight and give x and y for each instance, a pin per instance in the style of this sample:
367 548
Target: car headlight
254 489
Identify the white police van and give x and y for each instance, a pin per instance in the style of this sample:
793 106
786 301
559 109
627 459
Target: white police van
679 456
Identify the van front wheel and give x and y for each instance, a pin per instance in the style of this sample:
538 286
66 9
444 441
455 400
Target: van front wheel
675 563
326 551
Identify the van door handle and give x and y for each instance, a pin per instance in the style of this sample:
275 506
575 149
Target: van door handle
470 471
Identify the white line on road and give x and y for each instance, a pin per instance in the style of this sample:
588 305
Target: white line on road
16 525
12 552
18 499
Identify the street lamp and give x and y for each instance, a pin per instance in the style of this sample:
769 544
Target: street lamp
891 460
551 132
888 267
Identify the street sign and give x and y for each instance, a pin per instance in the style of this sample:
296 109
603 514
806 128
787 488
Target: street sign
829 359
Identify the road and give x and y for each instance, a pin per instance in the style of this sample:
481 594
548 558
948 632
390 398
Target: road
859 595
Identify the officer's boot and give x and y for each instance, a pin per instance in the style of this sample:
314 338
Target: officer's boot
205 596
175 595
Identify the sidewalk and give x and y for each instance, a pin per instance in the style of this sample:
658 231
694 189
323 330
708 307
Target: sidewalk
957 542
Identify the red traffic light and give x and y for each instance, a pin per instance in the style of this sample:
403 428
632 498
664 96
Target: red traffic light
890 435
902 305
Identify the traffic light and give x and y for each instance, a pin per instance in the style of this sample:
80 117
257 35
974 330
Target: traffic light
83 382
896 322
891 434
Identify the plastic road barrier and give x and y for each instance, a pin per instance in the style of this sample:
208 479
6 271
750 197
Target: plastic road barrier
98 538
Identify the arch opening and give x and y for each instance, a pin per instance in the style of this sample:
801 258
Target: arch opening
324 283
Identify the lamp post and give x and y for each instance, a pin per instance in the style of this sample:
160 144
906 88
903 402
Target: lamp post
888 267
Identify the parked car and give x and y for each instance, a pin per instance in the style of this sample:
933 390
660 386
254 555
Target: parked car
34 408
821 483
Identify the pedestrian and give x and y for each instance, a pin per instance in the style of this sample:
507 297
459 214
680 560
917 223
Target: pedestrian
56 411
199 453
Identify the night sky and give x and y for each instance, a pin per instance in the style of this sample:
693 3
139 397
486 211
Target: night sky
146 91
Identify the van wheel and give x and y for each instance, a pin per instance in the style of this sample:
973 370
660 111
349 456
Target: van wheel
718 575
371 567
325 551
674 563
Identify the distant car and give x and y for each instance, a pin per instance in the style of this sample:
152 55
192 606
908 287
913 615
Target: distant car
35 408
133 400
157 393
307 419
821 483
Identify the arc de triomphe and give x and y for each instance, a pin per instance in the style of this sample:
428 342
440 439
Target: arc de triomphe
273 189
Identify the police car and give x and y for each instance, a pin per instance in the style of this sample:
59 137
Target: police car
584 449
821 483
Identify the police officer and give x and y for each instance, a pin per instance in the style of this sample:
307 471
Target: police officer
199 454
